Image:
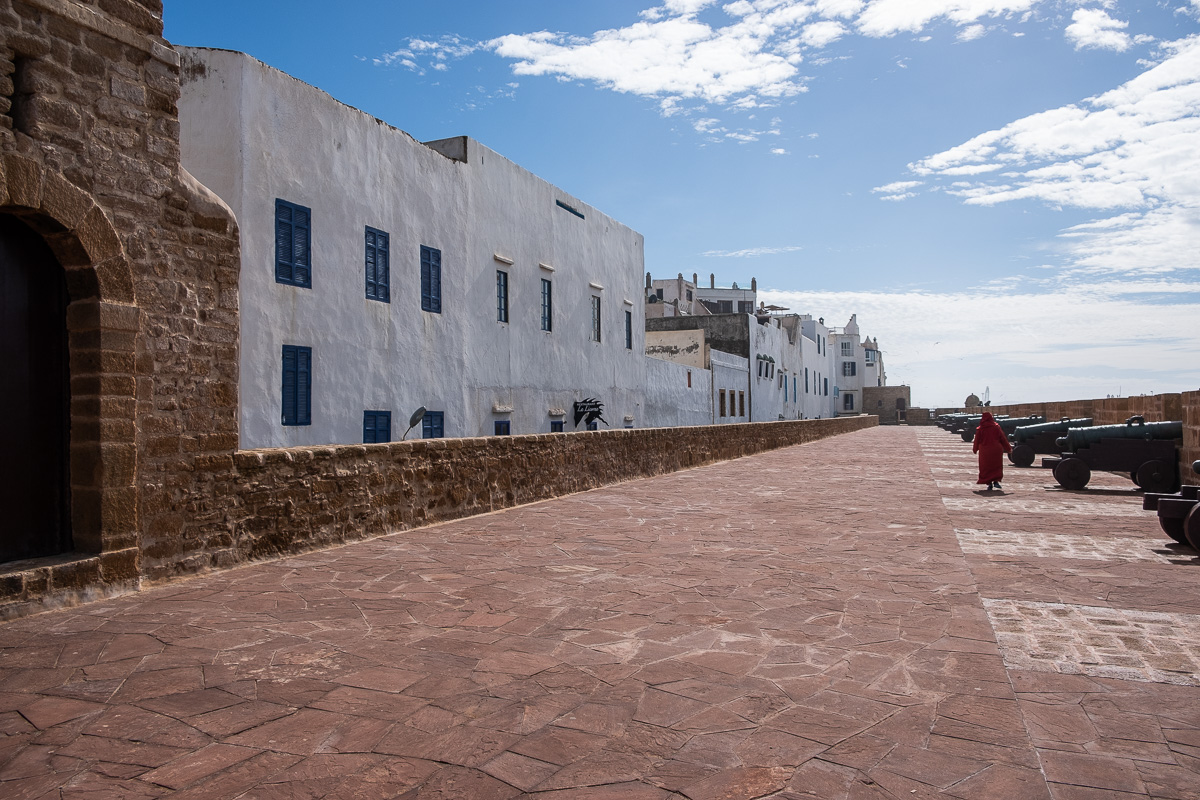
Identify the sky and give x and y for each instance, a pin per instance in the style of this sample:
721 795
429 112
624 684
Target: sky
1006 192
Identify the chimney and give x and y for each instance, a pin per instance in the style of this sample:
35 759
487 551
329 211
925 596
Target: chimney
649 284
754 284
695 280
712 280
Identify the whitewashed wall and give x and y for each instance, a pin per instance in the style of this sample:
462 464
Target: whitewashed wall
670 401
254 134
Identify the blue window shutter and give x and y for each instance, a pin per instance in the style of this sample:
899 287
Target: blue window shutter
382 275
283 242
289 385
372 280
431 279
426 280
435 272
304 386
302 273
292 244
376 265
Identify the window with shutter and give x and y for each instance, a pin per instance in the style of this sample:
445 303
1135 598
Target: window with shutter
433 425
293 264
377 268
377 427
628 330
503 427
431 279
297 385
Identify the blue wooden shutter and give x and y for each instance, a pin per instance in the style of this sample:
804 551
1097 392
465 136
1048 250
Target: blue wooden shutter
301 270
431 279
435 282
372 280
383 278
304 386
283 242
289 385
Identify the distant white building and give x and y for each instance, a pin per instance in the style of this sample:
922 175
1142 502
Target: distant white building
380 273
859 365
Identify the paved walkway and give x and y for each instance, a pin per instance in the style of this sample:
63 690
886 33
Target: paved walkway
846 619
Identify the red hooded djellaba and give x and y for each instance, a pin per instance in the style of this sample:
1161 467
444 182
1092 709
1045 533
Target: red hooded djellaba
991 444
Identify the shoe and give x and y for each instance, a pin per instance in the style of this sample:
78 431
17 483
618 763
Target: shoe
997 484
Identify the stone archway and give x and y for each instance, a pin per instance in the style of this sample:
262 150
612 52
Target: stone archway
102 321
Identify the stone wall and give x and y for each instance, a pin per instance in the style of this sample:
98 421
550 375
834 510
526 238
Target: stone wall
1113 410
881 401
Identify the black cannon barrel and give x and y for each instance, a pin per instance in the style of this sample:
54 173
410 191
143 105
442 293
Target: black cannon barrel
1132 428
1010 424
1026 432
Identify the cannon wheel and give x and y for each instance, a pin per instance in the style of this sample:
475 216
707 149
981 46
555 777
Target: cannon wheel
1191 527
968 436
1174 528
1156 476
1022 455
1072 473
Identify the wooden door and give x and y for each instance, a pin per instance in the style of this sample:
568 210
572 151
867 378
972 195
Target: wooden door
34 397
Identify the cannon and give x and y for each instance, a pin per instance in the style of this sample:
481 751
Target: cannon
1146 451
967 422
947 421
1029 441
1178 514
1007 424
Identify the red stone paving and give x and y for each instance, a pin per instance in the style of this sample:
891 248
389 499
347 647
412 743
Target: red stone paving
798 624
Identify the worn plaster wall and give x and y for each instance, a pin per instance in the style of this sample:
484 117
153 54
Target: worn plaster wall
683 347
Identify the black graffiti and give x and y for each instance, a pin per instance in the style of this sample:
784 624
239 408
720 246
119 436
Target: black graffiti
589 410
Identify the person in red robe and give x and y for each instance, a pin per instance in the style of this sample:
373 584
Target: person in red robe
991 444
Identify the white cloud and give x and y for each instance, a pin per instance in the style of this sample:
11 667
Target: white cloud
820 34
971 33
898 186
750 252
779 151
889 17
1094 28
1134 149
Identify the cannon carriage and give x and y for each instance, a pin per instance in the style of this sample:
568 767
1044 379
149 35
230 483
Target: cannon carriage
1030 441
1146 451
1178 514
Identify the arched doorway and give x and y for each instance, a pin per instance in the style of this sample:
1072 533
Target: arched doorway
35 403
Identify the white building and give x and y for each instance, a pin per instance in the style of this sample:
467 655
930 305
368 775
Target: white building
859 365
380 274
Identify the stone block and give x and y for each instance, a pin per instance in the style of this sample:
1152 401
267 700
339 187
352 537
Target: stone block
75 575
23 177
119 566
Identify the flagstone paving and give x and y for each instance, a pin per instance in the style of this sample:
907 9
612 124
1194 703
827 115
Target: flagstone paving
802 623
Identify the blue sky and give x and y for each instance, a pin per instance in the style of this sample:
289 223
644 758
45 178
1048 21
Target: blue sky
1006 192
